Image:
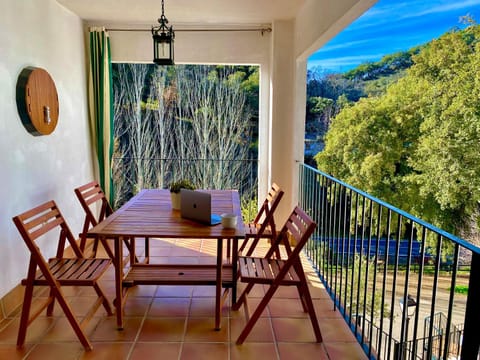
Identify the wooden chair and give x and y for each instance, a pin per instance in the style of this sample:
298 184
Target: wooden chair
92 194
263 226
56 272
275 272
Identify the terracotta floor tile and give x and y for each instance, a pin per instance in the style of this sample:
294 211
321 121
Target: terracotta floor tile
35 331
317 291
158 243
207 260
174 291
280 307
324 309
203 330
65 351
345 350
107 351
107 330
108 287
62 330
252 305
142 290
209 248
10 352
193 351
293 330
288 292
81 306
159 260
301 351
169 307
205 307
254 351
163 330
261 332
336 330
185 252
193 244
204 291
153 350
257 291
137 306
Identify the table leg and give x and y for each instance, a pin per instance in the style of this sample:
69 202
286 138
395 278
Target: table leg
234 270
218 290
118 263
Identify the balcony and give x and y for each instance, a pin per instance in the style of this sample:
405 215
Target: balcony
360 280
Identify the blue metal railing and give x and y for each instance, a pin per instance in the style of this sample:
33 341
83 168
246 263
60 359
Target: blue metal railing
373 258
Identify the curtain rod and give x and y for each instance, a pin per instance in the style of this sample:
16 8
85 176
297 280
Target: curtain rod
262 30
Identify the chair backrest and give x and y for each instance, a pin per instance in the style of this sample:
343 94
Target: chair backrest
89 195
298 228
266 213
37 222
265 218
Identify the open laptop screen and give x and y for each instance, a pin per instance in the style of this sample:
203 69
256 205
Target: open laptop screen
197 205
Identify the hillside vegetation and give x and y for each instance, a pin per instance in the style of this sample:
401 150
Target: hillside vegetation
328 93
407 129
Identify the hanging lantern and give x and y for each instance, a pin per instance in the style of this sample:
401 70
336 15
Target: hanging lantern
163 37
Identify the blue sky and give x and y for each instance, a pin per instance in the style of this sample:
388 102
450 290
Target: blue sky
391 26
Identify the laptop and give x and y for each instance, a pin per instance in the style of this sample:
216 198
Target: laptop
197 206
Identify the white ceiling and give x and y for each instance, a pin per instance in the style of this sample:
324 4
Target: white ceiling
184 12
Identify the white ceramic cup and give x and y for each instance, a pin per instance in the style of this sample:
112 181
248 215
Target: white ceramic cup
229 221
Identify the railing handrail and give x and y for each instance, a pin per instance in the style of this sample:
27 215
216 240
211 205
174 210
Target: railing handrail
404 214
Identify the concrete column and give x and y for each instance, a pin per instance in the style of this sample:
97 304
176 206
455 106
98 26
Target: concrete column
282 113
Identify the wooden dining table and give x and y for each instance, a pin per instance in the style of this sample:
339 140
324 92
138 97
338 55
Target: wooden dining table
150 214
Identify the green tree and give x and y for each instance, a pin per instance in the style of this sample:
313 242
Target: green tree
446 160
416 146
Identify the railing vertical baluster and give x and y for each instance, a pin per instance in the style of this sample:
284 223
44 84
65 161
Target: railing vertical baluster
434 291
374 280
325 237
343 266
450 302
335 238
355 237
471 340
360 260
364 257
349 252
419 288
394 281
384 282
330 238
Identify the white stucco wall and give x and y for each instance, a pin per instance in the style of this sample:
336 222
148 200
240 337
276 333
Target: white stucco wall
35 169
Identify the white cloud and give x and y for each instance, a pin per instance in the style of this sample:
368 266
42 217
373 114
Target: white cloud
340 63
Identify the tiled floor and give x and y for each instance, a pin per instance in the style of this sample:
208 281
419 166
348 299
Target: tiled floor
176 322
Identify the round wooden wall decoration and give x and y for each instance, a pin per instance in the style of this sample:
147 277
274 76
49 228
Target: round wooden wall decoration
37 101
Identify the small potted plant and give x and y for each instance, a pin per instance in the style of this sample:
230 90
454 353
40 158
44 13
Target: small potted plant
175 191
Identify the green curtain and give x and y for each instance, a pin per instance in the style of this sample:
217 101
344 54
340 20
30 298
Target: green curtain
101 106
